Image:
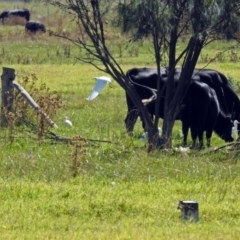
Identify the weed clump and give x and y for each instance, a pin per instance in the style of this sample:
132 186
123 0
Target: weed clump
38 116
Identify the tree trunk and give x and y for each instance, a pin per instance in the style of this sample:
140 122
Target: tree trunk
167 130
173 108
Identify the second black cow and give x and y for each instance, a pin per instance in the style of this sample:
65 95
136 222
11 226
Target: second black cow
202 113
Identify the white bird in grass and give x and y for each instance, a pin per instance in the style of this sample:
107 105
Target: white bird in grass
182 149
145 135
67 122
101 82
235 129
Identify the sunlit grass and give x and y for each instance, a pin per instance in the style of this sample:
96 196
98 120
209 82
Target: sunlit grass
120 190
89 209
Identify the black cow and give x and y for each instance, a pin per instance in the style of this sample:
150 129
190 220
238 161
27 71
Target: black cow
35 26
24 13
201 113
228 99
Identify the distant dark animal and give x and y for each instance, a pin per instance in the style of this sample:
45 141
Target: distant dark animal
202 113
227 98
35 26
23 13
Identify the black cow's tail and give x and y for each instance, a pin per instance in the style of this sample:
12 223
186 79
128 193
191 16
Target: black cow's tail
152 90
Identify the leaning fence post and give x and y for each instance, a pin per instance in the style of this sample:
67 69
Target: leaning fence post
7 77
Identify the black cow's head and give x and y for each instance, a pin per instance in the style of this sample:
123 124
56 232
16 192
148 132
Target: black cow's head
225 127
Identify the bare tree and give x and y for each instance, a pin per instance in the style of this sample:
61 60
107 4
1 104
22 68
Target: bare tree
204 21
93 17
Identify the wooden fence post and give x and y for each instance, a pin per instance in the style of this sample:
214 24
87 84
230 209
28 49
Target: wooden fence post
7 77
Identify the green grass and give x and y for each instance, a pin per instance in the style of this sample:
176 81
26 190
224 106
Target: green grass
93 208
120 191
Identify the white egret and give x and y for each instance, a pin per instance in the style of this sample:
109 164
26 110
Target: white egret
235 129
67 122
101 82
145 135
182 149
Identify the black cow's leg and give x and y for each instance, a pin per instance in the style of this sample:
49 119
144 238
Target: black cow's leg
238 128
143 123
208 137
131 119
200 137
185 129
194 137
208 142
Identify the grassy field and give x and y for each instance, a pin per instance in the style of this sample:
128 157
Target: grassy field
112 189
